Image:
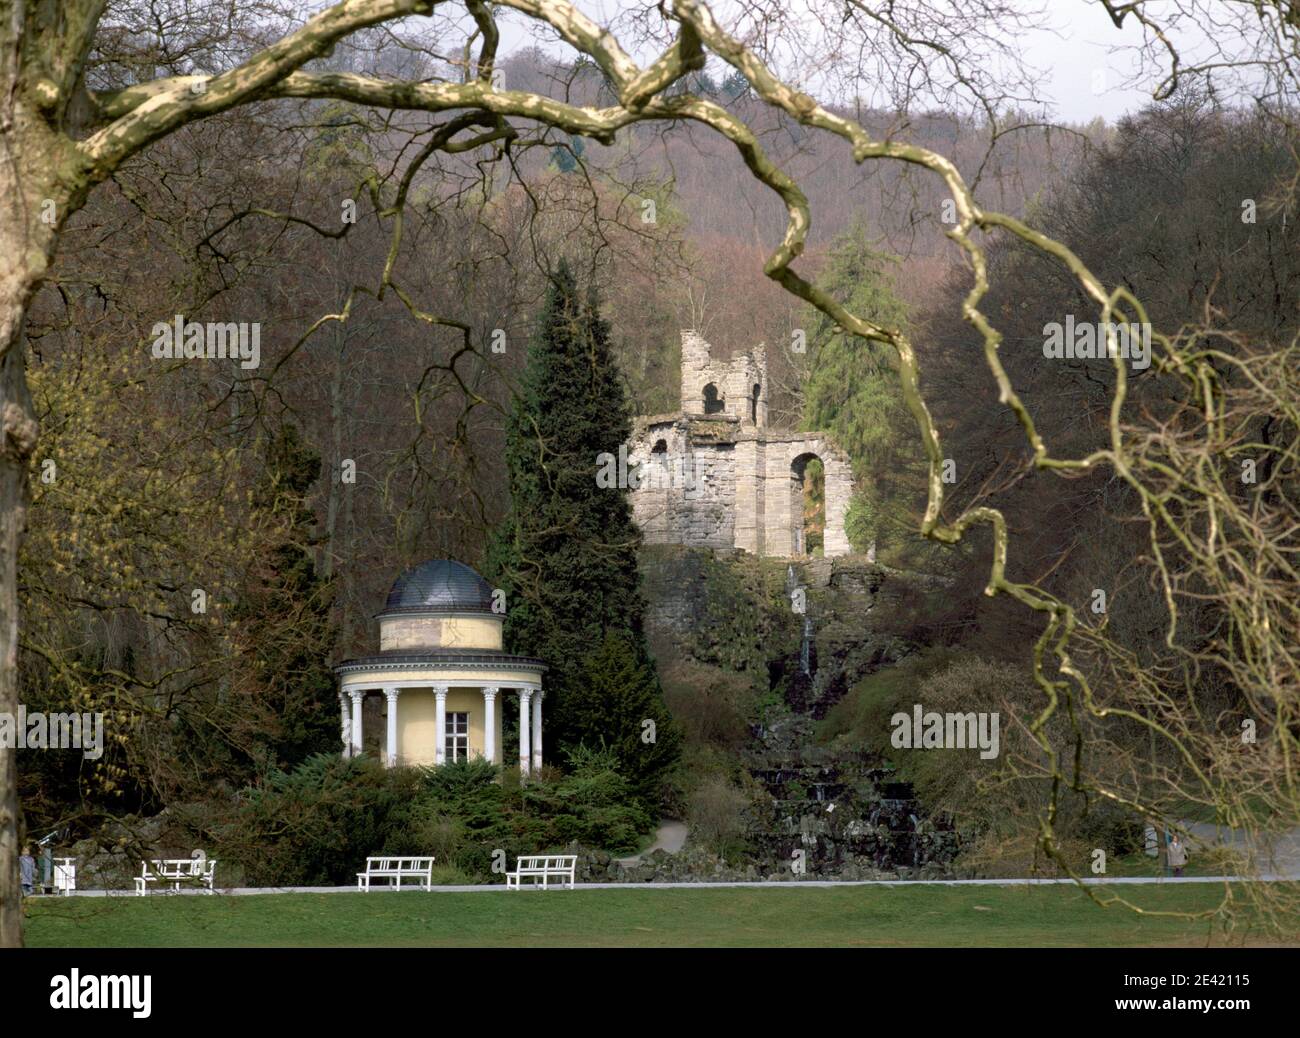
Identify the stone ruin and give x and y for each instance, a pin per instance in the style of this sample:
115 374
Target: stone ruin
716 475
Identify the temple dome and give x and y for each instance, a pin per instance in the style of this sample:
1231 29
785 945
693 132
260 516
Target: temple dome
439 586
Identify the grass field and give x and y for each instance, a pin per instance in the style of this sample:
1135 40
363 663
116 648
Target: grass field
635 917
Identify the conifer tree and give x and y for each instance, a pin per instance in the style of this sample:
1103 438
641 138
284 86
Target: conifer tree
851 391
567 554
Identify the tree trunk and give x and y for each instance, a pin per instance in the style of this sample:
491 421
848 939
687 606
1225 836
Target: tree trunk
336 456
17 441
31 209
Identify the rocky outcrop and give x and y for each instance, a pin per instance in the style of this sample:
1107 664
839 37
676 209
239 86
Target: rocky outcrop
110 859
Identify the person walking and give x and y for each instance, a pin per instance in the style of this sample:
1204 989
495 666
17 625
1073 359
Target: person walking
1177 854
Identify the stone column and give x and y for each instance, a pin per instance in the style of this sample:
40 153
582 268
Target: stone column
357 697
537 729
839 491
490 723
347 725
524 742
390 694
747 523
440 725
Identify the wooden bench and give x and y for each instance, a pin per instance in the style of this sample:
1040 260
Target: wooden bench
395 870
197 872
543 867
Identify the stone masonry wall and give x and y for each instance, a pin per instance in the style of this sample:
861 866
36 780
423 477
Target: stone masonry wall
723 481
686 493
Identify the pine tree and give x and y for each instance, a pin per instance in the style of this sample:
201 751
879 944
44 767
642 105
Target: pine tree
566 158
567 554
851 391
619 705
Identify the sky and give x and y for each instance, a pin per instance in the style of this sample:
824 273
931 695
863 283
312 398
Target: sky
1083 77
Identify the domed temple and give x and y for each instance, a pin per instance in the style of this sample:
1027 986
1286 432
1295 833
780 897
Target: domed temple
442 673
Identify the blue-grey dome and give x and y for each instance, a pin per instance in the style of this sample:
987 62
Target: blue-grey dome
439 586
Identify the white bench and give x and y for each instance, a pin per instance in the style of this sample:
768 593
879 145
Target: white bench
543 867
395 870
198 872
65 875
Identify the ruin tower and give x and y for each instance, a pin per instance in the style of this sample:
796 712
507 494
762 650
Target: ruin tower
716 475
737 387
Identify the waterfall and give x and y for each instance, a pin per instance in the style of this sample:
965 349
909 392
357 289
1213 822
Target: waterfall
805 649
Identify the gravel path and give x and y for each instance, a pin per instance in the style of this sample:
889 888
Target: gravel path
487 887
670 837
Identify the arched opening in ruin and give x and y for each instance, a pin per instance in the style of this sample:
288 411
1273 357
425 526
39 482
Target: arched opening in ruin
753 403
712 402
659 465
808 504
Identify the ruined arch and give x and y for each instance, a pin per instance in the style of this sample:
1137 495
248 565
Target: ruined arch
735 481
807 504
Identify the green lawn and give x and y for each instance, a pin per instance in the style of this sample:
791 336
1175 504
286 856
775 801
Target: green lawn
775 916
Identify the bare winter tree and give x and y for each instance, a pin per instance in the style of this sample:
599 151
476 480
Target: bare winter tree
78 101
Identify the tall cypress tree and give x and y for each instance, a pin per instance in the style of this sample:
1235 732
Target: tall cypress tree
567 554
